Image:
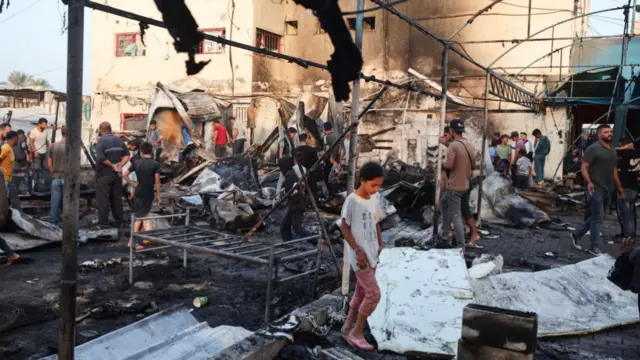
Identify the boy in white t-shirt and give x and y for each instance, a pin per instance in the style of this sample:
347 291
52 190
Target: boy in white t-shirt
361 213
524 168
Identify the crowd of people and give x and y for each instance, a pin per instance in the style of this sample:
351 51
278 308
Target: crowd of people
30 159
519 159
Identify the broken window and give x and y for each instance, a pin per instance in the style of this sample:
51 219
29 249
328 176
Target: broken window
209 46
133 121
268 40
129 44
291 28
368 24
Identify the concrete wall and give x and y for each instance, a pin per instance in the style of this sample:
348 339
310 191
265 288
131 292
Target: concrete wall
126 84
394 46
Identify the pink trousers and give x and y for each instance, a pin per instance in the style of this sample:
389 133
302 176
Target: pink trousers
367 295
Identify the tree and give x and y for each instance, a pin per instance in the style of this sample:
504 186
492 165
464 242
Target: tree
40 82
18 79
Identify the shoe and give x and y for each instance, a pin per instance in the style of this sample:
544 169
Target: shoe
574 241
595 252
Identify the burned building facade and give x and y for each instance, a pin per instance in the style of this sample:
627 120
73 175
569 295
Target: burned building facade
125 74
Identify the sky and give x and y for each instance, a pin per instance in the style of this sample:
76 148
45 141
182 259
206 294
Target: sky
33 40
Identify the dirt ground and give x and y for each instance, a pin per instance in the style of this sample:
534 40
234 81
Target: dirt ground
236 291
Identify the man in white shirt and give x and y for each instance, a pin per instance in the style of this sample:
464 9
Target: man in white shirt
39 146
238 137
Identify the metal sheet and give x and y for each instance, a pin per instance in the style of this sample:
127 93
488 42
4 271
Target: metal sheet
423 295
170 334
572 299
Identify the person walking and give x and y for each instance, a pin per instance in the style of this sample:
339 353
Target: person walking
460 163
111 155
39 145
220 139
294 216
56 165
541 148
147 172
238 138
360 217
601 177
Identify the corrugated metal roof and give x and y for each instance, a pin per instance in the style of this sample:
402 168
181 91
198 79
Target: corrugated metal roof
173 334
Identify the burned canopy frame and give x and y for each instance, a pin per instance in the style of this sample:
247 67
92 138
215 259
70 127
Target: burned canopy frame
507 90
296 60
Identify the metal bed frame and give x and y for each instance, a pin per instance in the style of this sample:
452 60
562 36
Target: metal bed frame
198 239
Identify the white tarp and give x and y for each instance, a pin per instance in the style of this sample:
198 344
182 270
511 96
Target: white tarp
36 232
570 299
423 295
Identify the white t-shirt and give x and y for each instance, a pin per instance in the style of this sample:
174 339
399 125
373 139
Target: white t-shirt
40 143
528 146
240 129
524 166
362 216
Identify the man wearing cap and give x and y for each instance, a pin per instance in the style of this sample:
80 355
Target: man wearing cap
460 162
285 147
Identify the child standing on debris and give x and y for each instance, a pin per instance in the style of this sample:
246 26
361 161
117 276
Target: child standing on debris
147 171
361 213
297 204
524 168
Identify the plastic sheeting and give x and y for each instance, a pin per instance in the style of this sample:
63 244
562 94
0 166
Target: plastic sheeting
173 334
503 204
572 299
423 295
34 232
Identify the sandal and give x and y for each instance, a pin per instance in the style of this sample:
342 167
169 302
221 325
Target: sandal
13 258
138 246
474 246
361 344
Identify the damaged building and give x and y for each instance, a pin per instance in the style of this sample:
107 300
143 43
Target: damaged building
125 73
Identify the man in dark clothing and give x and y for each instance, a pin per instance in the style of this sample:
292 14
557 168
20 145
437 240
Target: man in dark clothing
297 204
22 158
629 170
112 155
601 177
4 212
285 149
308 156
147 172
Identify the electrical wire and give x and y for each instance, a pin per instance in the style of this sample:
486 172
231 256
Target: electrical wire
486 14
20 11
534 8
372 8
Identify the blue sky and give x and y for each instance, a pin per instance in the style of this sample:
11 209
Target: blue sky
33 41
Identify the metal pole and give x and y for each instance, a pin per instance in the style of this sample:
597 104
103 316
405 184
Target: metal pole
443 114
633 18
353 144
55 122
75 34
132 247
553 34
355 100
529 21
267 308
484 146
184 252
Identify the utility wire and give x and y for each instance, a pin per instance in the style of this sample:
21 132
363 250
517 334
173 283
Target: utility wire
487 14
20 11
372 9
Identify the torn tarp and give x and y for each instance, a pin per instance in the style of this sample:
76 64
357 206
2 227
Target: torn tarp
503 204
25 232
